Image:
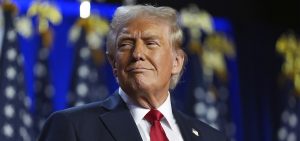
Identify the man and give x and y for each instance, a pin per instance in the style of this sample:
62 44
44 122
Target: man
144 50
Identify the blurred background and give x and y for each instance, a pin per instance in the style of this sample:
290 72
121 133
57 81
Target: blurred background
242 75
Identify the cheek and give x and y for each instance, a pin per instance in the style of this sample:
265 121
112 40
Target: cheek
122 58
163 62
121 61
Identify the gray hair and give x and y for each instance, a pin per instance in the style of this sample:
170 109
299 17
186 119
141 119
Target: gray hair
124 14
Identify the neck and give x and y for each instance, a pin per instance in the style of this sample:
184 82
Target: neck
151 102
148 100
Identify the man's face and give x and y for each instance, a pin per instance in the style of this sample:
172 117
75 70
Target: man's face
144 59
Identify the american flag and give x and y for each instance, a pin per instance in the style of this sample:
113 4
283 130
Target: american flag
15 119
210 89
88 83
288 46
290 127
210 100
43 88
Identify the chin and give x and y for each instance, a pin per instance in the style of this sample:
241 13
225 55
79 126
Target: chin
141 86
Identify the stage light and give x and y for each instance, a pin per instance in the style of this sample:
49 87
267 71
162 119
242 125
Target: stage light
85 8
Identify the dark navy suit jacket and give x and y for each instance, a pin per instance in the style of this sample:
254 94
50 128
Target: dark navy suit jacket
110 120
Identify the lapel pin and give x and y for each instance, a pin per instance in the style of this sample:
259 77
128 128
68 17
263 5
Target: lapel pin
195 132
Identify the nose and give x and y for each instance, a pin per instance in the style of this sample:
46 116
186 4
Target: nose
138 51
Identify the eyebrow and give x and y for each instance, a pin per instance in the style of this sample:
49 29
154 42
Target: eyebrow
150 36
147 34
124 36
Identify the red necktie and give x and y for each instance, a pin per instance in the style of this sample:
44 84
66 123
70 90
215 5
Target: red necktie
157 133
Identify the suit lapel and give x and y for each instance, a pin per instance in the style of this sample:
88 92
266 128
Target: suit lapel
119 121
187 131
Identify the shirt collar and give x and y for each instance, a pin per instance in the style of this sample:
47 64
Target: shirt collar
139 112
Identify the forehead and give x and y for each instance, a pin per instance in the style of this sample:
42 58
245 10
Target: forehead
145 27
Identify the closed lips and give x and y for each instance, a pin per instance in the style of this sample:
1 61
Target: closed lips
137 69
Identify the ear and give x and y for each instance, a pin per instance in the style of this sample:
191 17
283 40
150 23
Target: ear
112 63
178 62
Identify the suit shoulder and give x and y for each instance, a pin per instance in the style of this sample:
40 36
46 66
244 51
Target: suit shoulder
207 131
84 110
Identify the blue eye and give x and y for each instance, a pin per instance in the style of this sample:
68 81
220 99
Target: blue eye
125 45
152 44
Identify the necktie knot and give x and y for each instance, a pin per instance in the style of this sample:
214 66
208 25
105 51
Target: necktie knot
157 133
153 115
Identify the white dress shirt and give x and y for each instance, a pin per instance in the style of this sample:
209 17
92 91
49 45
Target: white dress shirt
168 122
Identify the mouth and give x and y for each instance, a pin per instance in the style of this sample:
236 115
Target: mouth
137 69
